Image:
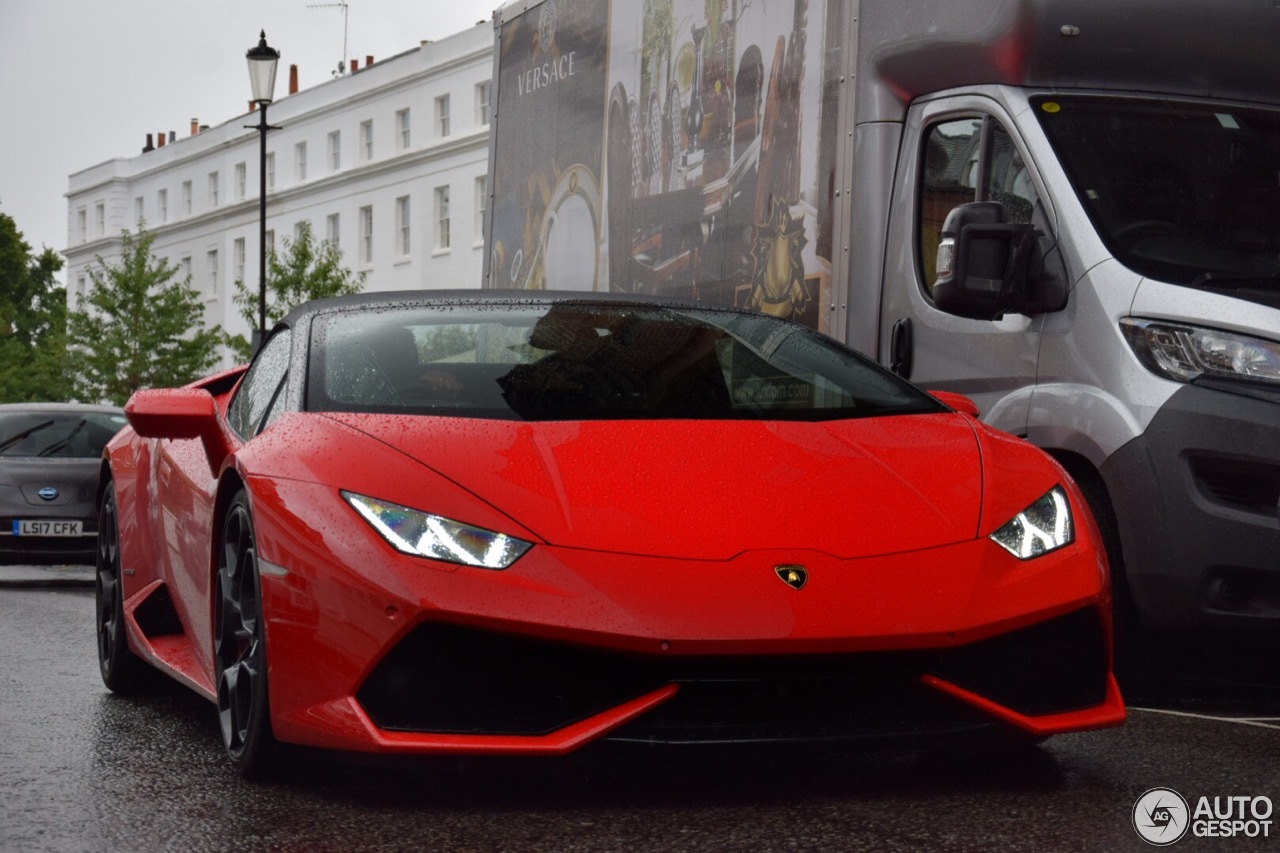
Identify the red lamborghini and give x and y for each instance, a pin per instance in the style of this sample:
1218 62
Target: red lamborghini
486 523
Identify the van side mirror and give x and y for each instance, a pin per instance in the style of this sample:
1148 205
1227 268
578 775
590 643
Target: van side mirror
983 263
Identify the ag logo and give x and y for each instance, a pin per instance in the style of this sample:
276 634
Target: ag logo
793 576
1161 817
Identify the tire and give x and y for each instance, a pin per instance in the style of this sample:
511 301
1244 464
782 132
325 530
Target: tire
122 670
240 648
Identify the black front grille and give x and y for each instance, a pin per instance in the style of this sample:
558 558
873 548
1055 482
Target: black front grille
448 679
801 709
1054 666
442 678
1252 486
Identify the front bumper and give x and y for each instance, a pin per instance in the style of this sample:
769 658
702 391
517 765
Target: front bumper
1197 497
566 647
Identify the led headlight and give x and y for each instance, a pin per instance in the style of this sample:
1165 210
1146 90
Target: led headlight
1184 353
424 535
1044 526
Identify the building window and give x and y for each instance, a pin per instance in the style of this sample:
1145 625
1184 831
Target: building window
297 230
81 289
442 218
366 140
211 261
138 211
213 190
300 161
82 225
402 225
186 198
331 229
99 220
271 242
482 103
162 202
402 127
271 170
366 235
237 251
185 265
442 115
482 199
335 151
241 180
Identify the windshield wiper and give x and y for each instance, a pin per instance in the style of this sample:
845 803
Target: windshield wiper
1231 282
64 441
12 440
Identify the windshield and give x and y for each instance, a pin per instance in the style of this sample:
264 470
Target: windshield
1187 193
57 435
592 361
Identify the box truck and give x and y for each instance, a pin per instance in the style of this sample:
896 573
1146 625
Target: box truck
1068 210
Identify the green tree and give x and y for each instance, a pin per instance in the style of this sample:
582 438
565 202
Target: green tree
33 319
144 328
308 269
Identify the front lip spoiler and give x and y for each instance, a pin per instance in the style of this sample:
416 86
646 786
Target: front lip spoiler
559 742
1110 713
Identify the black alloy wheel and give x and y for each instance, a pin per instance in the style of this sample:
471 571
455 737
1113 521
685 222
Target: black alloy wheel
240 649
121 669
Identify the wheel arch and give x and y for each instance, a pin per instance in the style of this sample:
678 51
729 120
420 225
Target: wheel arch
229 486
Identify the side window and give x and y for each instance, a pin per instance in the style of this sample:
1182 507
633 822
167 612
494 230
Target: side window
1008 180
259 389
963 165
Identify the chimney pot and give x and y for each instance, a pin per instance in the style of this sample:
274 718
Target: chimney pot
355 66
150 146
253 106
195 126
160 139
173 136
368 60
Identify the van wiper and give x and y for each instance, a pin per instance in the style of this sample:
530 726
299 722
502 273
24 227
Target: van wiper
1231 282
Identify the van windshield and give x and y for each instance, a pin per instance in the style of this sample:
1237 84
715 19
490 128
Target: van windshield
1184 192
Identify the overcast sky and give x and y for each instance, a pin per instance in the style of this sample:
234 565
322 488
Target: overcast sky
87 80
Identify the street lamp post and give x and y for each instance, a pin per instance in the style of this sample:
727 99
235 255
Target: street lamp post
262 76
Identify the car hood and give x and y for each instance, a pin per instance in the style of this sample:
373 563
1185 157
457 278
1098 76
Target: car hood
711 489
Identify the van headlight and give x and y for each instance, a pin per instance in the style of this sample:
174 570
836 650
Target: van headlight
1044 526
422 534
1184 353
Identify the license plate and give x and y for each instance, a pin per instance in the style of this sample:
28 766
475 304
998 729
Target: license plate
48 528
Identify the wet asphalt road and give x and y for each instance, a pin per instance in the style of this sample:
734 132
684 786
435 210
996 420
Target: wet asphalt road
81 769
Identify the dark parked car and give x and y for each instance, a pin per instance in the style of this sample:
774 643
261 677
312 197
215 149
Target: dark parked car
50 458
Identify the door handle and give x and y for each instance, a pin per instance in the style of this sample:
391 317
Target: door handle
900 348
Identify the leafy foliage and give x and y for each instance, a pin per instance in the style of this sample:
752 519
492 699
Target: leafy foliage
308 269
143 327
33 318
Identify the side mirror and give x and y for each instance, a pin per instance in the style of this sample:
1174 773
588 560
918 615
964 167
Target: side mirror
179 413
983 263
170 412
959 402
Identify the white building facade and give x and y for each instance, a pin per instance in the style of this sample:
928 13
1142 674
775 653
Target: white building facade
390 162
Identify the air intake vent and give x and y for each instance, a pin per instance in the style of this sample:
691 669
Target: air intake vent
1251 486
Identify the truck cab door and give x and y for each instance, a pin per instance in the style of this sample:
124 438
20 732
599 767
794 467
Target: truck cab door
957 151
